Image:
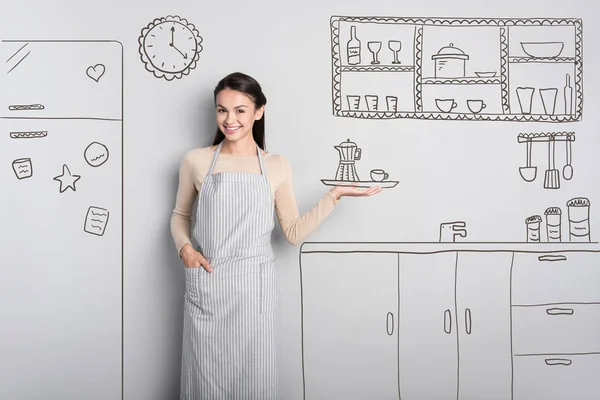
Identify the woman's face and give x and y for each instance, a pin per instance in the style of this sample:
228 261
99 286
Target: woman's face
236 114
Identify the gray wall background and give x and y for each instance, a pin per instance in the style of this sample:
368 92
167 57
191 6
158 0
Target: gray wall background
447 170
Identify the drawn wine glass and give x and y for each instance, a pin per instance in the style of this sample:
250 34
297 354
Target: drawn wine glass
374 48
395 46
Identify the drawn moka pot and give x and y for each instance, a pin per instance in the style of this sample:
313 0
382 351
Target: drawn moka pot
349 153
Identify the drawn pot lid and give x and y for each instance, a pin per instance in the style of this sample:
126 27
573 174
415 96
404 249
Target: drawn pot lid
348 143
450 52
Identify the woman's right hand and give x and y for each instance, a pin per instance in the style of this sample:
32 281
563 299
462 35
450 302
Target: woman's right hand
193 259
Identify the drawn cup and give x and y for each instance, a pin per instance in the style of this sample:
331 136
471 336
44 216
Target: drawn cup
476 106
525 97
353 102
445 105
372 102
379 175
392 103
23 168
549 99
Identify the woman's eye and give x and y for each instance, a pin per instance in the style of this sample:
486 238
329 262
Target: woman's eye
240 111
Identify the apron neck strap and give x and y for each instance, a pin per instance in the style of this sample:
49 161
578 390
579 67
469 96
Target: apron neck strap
218 150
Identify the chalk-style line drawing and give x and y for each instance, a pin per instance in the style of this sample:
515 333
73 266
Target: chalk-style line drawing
170 47
28 135
553 224
95 72
23 168
579 219
26 107
552 174
346 174
96 220
66 179
447 303
427 62
450 230
16 64
96 154
578 209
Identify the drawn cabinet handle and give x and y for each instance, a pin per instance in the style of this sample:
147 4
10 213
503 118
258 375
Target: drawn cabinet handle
389 323
552 258
447 321
559 311
468 320
558 361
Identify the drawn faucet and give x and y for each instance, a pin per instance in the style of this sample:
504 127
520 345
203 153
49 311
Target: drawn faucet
450 230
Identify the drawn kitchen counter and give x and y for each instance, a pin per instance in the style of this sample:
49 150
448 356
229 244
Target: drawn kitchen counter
417 320
60 118
457 69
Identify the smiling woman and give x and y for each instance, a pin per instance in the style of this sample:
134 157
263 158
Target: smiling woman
230 332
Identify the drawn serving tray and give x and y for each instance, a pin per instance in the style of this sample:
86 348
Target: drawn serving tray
363 184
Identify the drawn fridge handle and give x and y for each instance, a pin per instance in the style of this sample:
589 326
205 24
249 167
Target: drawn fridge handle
447 321
552 258
468 320
558 361
389 324
560 311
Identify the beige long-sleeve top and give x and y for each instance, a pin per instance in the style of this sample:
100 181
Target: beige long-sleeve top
194 167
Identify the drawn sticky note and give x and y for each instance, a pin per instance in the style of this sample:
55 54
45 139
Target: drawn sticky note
96 220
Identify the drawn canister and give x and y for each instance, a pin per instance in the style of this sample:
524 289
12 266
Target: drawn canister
553 224
450 62
533 224
579 219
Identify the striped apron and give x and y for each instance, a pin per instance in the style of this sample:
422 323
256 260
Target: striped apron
229 332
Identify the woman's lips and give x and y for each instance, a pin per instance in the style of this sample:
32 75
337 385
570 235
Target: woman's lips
232 129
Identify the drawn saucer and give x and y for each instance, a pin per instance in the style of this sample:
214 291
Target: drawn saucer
362 184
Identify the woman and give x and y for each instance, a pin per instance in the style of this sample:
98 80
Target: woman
230 298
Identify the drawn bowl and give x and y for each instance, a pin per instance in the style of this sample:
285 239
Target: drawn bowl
543 49
485 74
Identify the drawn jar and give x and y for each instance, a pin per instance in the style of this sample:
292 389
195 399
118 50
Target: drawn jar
579 219
553 224
450 62
533 224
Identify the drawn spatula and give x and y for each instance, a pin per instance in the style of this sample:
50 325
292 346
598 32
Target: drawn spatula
552 178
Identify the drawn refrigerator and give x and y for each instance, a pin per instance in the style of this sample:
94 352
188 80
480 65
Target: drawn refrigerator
61 133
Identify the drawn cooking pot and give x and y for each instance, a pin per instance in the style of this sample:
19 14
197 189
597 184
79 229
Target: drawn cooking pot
450 62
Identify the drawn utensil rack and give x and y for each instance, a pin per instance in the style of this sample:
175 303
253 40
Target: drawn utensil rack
520 70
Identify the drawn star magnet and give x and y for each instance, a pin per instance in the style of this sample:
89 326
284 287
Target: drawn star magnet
67 180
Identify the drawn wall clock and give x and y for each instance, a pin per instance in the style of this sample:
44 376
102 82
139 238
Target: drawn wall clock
170 47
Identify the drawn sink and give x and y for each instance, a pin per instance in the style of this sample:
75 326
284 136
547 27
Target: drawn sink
361 184
543 49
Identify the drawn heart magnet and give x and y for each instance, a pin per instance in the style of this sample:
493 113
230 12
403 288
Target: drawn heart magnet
95 72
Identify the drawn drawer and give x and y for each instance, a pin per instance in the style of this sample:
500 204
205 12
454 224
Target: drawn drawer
557 328
541 278
556 377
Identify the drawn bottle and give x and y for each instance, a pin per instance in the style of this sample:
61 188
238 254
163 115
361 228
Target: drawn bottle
353 47
533 228
568 94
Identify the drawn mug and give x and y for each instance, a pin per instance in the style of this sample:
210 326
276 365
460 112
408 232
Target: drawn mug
379 175
445 105
476 106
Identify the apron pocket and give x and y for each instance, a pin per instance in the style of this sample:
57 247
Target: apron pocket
267 288
194 291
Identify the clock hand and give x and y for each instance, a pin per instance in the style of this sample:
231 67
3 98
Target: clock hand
172 44
185 56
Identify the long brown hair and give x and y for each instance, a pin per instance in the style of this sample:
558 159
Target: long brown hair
246 84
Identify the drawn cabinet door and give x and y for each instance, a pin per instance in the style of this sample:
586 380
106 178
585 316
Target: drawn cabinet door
428 359
349 325
483 317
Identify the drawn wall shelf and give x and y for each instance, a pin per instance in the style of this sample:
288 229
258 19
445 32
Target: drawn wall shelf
519 70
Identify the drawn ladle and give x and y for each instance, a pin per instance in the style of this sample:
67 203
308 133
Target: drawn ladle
528 173
568 168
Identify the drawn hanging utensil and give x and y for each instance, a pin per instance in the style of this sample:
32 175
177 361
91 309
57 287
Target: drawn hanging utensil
568 168
528 173
552 178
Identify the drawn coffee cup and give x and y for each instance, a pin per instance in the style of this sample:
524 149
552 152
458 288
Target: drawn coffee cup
476 106
445 105
379 175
